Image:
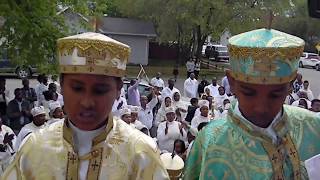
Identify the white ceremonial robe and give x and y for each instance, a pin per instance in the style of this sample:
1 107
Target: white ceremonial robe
197 120
191 88
157 82
25 131
213 90
166 141
167 92
218 100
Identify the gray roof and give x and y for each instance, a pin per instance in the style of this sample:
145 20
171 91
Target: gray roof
126 26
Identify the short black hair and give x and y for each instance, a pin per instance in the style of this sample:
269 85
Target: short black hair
315 101
202 125
193 100
16 90
306 81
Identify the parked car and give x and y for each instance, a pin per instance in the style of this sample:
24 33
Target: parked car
7 67
217 52
310 60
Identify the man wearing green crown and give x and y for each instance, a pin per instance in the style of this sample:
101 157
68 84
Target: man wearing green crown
261 138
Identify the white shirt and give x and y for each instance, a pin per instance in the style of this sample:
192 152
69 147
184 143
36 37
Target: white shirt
39 90
197 66
5 157
199 119
167 92
157 82
190 88
116 103
213 90
166 141
225 84
190 66
83 143
269 131
25 131
146 115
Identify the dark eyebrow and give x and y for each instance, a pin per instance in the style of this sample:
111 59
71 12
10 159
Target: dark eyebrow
76 81
279 89
247 88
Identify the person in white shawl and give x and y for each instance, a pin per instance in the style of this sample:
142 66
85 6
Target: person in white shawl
7 141
218 100
125 115
170 130
160 117
191 86
181 107
203 116
56 113
38 122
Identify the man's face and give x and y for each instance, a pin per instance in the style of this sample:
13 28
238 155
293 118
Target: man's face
53 87
316 107
143 100
58 113
214 82
305 85
18 95
259 103
88 99
158 75
25 83
299 77
192 76
170 83
45 80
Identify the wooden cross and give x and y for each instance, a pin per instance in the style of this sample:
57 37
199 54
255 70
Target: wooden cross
95 165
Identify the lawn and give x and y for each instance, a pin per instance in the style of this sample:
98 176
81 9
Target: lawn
166 68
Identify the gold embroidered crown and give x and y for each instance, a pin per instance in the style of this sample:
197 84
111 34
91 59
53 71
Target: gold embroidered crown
92 53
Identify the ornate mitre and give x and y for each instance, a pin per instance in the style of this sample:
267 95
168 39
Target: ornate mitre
265 56
92 53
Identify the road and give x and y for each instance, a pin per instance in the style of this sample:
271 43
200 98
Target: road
311 75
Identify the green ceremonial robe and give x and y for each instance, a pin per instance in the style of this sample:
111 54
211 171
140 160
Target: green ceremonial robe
231 148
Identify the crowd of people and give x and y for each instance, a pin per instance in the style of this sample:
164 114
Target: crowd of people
30 109
172 119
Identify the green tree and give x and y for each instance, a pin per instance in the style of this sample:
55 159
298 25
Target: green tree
32 27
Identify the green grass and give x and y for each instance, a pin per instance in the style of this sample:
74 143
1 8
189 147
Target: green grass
166 68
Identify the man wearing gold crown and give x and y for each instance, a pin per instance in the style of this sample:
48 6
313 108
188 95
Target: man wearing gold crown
89 143
261 138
